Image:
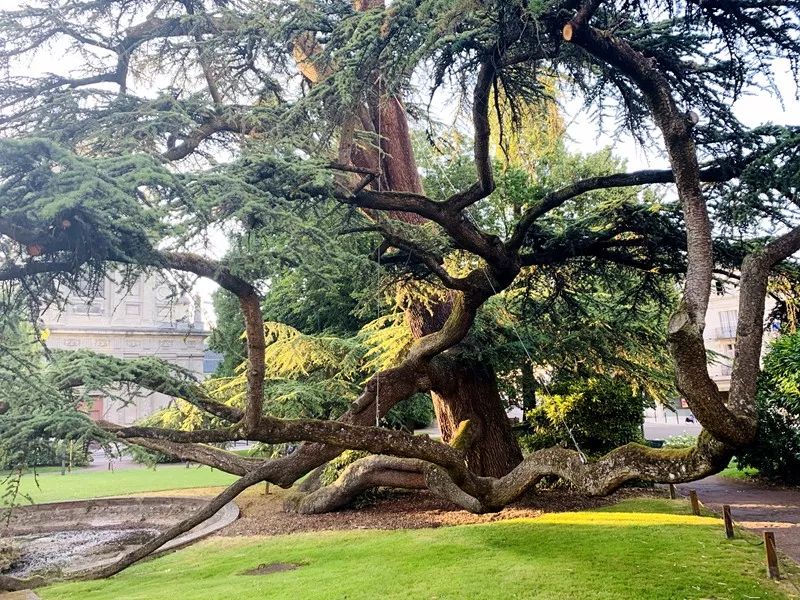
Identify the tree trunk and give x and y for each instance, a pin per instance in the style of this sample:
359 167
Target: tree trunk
466 389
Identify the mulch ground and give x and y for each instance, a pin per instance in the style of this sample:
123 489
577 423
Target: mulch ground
263 514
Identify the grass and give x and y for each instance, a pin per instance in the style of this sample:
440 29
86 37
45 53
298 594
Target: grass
734 472
82 484
637 549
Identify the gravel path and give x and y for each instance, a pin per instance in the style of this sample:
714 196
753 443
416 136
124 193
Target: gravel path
755 506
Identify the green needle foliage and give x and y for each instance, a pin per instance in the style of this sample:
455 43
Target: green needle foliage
777 453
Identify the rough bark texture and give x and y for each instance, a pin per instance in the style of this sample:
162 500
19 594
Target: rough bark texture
465 389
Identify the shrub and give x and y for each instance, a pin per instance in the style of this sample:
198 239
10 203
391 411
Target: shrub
602 413
414 413
49 453
686 440
776 453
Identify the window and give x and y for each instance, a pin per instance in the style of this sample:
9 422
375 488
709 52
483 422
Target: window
164 314
727 321
88 297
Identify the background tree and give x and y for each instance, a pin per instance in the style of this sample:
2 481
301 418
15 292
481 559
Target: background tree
776 453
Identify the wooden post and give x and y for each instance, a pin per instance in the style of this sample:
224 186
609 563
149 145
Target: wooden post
672 493
772 555
726 514
266 488
695 502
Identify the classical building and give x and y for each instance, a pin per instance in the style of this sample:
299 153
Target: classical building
148 318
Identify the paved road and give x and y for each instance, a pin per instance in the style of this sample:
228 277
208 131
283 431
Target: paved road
755 507
663 431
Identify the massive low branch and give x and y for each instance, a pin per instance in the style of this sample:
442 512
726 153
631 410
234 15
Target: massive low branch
335 433
201 454
600 477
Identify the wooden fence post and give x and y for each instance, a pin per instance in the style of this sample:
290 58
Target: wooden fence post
772 555
695 502
672 493
726 514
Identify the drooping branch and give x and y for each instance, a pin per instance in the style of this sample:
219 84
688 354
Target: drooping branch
608 473
335 433
203 454
144 374
206 512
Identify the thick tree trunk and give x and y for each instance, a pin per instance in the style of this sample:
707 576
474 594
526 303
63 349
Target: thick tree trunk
465 389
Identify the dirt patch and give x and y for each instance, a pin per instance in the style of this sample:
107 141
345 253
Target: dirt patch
263 514
268 569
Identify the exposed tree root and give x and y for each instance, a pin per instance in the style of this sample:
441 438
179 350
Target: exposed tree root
486 494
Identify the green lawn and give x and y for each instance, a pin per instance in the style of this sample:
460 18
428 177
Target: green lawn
734 472
81 484
638 549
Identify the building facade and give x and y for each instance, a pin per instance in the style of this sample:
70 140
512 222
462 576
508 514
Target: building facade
145 318
722 319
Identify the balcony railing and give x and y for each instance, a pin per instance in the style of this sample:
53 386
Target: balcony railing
726 332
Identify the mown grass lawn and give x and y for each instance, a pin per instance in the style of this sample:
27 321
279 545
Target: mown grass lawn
82 484
639 549
734 472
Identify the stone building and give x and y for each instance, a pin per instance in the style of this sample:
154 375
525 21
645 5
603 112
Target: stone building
148 318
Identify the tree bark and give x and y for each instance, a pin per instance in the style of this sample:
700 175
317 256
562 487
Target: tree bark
465 389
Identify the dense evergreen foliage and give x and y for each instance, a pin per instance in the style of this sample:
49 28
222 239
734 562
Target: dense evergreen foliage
776 454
